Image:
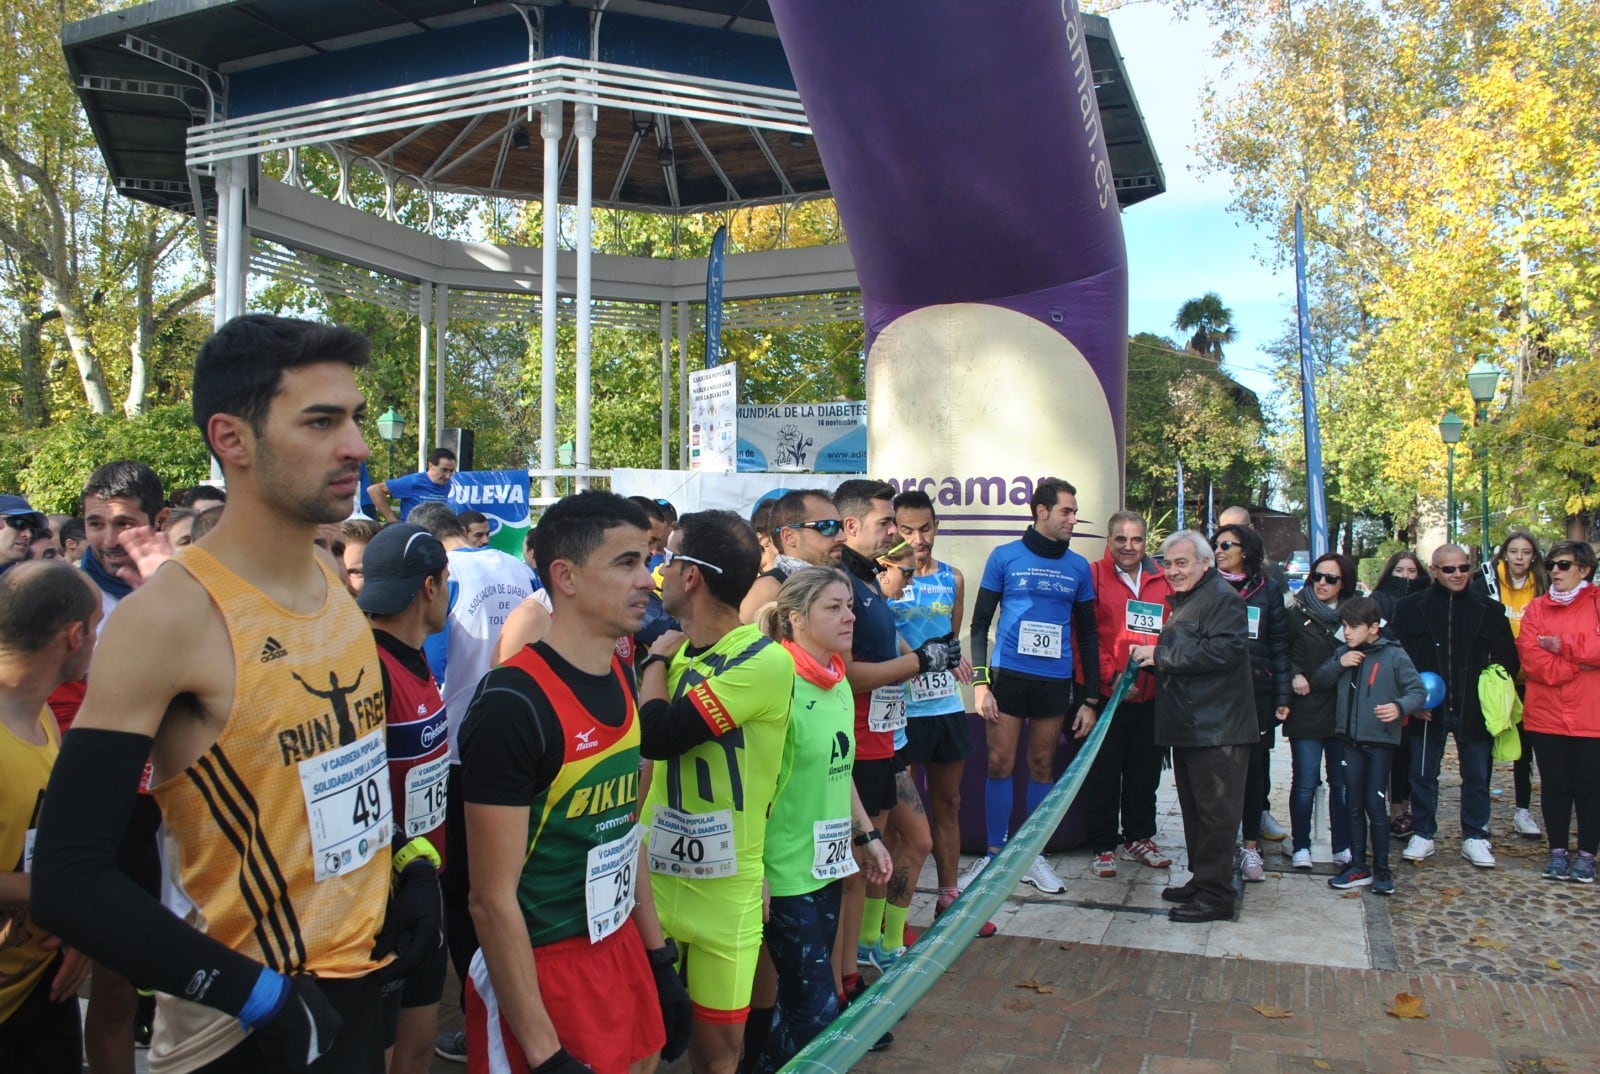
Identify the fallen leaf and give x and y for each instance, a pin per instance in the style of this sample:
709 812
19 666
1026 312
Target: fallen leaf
1485 941
1350 895
1449 893
1043 988
1266 1010
1406 1005
1552 963
1320 1065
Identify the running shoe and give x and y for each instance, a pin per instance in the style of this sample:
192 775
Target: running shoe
881 958
1341 858
1271 830
1525 825
1041 876
1559 867
1302 860
1104 864
1583 868
1354 876
1145 852
451 1047
1382 882
986 930
1478 852
1251 868
966 878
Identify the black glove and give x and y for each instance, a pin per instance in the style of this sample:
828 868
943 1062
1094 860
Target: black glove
677 1010
303 1029
560 1063
412 929
938 654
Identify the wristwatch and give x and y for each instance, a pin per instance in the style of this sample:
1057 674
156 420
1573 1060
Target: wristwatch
418 849
863 838
666 955
653 658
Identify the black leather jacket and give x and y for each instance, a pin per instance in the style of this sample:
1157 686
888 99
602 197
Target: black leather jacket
1204 692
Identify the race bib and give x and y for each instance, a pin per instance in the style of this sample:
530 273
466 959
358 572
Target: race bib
608 885
1255 622
1144 617
933 685
831 858
348 810
887 712
425 796
692 844
1039 639
27 850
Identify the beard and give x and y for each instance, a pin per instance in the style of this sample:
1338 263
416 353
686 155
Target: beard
292 493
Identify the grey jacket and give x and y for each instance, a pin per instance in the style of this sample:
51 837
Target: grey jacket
1386 675
1204 692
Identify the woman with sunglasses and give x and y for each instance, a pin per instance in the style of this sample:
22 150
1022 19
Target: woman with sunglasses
1315 634
1515 575
1560 649
817 833
1402 576
1239 561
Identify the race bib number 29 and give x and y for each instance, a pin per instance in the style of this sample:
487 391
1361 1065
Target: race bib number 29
610 879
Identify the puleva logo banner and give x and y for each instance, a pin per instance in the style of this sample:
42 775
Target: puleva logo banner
502 496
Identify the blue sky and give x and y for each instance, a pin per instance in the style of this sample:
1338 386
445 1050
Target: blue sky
1185 242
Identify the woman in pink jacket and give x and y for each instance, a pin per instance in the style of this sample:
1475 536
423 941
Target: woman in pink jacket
1560 649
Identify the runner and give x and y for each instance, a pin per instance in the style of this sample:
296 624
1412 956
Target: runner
251 682
715 714
550 756
407 600
48 616
807 531
1046 601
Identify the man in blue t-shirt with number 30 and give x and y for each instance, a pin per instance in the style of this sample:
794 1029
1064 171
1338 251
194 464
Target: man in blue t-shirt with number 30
1045 595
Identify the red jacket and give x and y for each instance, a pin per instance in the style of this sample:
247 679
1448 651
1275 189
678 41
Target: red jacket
1111 597
1562 699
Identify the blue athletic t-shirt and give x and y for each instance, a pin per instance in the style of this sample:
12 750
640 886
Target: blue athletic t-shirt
1034 634
416 488
925 610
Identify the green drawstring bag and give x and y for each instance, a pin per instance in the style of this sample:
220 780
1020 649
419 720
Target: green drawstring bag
1502 711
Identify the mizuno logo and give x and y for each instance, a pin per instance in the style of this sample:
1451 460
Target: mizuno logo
273 650
586 740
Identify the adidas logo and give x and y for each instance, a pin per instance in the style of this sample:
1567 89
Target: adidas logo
272 650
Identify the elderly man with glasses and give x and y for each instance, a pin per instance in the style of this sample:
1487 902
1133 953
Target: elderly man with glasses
1454 632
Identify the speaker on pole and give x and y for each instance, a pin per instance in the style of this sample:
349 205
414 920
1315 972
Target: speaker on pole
460 442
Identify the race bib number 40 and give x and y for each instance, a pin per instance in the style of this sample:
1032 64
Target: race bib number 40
611 873
831 857
1039 639
887 710
692 844
348 810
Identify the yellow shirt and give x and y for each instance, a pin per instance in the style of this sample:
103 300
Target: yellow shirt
24 771
1516 600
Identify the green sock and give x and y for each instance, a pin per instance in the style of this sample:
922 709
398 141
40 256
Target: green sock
894 926
872 921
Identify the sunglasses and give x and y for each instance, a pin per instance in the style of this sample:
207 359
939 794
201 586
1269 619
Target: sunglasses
20 522
1330 579
1558 564
828 527
669 557
1454 568
1227 546
905 572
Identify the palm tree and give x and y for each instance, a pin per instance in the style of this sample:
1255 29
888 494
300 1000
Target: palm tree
1212 323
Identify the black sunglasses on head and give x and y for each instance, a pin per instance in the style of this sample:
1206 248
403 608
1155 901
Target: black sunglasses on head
1322 576
1454 568
1558 564
828 527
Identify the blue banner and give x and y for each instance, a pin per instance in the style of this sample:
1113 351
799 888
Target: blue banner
502 497
1316 496
714 271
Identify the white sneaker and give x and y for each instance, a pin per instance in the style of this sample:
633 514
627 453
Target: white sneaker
1271 829
1342 858
1041 876
971 874
1302 859
1477 851
1525 825
1420 847
1251 868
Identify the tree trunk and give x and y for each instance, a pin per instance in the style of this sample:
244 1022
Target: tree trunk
144 337
80 340
35 393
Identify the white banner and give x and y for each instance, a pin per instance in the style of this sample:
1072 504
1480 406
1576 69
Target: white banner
826 438
721 492
714 419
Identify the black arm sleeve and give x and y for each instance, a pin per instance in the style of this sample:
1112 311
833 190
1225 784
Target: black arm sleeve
1086 632
670 728
79 894
982 615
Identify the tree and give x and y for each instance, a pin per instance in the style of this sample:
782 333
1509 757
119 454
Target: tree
1211 322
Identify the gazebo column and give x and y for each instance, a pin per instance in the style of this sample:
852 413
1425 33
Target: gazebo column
550 131
424 351
584 121
683 385
441 330
666 385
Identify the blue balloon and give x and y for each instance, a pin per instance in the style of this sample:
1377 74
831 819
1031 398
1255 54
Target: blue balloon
1435 687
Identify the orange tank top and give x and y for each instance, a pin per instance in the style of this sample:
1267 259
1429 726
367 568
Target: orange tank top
282 828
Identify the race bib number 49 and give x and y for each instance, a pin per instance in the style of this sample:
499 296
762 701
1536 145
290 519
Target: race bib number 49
348 810
692 844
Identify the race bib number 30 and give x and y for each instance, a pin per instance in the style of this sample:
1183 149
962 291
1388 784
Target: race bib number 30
609 883
425 796
348 809
831 857
1144 617
933 685
692 844
1039 639
887 710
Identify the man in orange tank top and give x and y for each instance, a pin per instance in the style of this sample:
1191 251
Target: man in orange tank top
249 679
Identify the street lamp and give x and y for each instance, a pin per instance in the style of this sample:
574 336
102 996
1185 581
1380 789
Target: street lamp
1450 427
391 427
1482 380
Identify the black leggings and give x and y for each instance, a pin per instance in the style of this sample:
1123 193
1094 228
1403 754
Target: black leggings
1567 767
